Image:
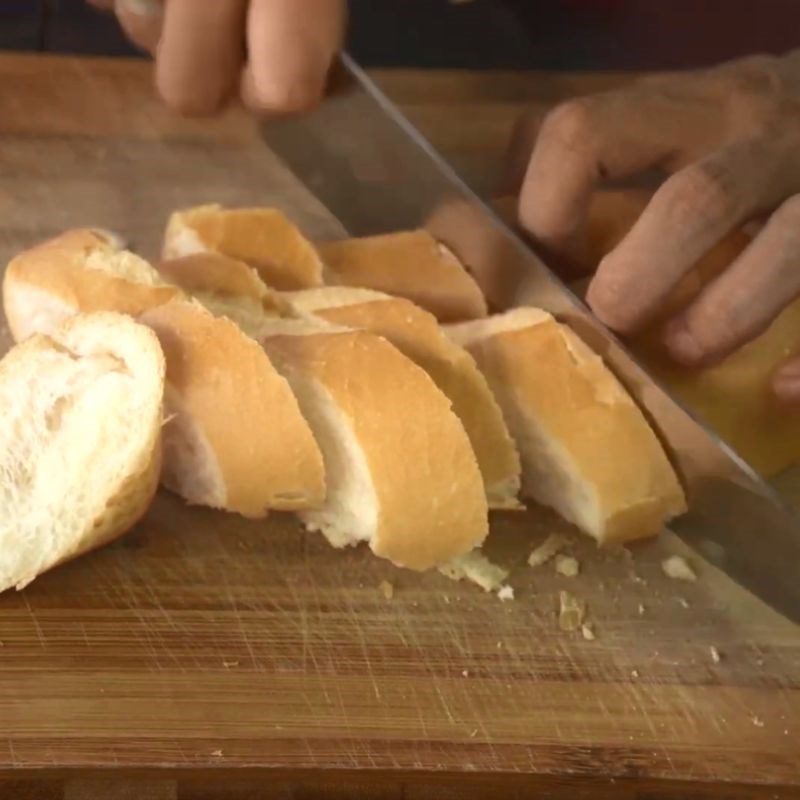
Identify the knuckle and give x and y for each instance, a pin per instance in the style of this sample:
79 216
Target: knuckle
570 124
700 190
752 77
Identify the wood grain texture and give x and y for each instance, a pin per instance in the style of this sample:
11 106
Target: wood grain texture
207 656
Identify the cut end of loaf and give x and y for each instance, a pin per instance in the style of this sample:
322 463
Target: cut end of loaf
69 399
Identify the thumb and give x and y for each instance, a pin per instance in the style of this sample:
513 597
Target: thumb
786 382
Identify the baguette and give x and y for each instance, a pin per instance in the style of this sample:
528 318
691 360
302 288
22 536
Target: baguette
401 473
264 238
78 271
410 264
235 439
418 336
587 451
70 399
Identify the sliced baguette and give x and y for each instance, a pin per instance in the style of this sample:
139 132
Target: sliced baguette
235 438
79 271
79 443
264 238
410 264
401 473
587 450
225 286
418 336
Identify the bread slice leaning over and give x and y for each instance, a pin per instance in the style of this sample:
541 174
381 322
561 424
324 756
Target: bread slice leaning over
418 336
78 271
587 450
264 238
410 264
235 438
401 473
81 414
225 286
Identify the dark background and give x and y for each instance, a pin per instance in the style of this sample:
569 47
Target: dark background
487 34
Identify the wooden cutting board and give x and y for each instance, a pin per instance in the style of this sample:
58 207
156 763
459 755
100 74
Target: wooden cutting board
206 656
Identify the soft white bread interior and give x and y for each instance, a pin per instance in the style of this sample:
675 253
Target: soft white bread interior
79 271
401 473
264 238
79 440
235 438
587 450
226 287
418 336
410 264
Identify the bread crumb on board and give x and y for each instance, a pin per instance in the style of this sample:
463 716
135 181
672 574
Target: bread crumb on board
567 566
550 547
716 656
571 612
757 721
678 568
477 568
587 631
387 590
505 592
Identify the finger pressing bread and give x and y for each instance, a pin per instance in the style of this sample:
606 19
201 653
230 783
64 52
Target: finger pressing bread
200 53
291 45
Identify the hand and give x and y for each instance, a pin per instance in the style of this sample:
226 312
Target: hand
731 138
274 53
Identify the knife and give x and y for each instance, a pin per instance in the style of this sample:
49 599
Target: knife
367 164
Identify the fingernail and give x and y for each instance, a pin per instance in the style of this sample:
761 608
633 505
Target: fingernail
142 8
789 372
682 345
787 387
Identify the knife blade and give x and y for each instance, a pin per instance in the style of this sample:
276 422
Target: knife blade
368 165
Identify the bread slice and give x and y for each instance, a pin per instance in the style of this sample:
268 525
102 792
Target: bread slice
410 264
264 238
418 336
401 473
235 438
79 442
226 287
78 271
587 450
